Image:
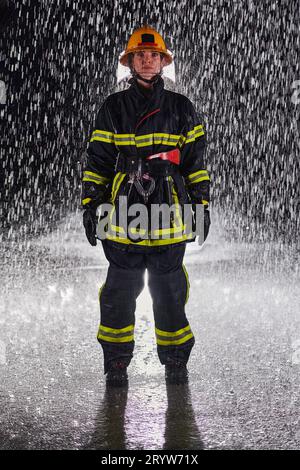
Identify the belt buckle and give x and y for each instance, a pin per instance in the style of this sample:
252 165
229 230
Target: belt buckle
117 162
139 168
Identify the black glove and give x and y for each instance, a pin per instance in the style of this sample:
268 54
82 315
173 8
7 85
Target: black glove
90 225
206 221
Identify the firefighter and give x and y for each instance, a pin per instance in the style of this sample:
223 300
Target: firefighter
147 147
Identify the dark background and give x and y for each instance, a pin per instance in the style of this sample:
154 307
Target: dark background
236 60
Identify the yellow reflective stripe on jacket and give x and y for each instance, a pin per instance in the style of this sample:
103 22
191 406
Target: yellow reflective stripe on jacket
196 129
135 230
142 232
198 176
95 178
147 139
102 136
92 180
116 184
196 132
201 178
156 232
124 139
157 138
116 335
149 242
197 173
137 141
117 229
167 338
168 231
114 191
86 201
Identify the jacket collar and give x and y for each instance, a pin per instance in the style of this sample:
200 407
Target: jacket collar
158 87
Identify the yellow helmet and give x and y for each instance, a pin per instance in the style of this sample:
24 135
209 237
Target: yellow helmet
145 38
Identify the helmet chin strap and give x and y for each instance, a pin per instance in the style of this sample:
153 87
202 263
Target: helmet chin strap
151 81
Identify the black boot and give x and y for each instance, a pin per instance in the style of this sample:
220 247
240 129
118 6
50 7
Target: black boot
176 373
117 374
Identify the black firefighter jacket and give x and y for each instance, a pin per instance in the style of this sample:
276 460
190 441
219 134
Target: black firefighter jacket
135 124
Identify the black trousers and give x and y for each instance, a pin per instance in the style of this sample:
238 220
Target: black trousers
169 288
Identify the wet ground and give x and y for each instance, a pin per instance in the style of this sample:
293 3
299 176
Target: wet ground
244 383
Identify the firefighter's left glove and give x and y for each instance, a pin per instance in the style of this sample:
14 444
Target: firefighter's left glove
206 221
90 225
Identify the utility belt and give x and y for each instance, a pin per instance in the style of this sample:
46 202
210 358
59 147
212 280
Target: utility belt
143 172
158 164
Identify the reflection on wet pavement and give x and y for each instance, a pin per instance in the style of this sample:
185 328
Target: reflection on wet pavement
181 430
110 421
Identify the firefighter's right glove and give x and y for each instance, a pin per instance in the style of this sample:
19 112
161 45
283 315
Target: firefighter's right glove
90 225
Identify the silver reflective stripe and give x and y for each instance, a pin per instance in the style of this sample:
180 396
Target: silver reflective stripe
173 338
123 139
109 137
143 141
116 335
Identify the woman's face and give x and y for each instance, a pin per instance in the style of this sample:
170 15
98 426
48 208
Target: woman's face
147 63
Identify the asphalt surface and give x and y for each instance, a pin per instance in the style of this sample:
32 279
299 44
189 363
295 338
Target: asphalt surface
243 391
